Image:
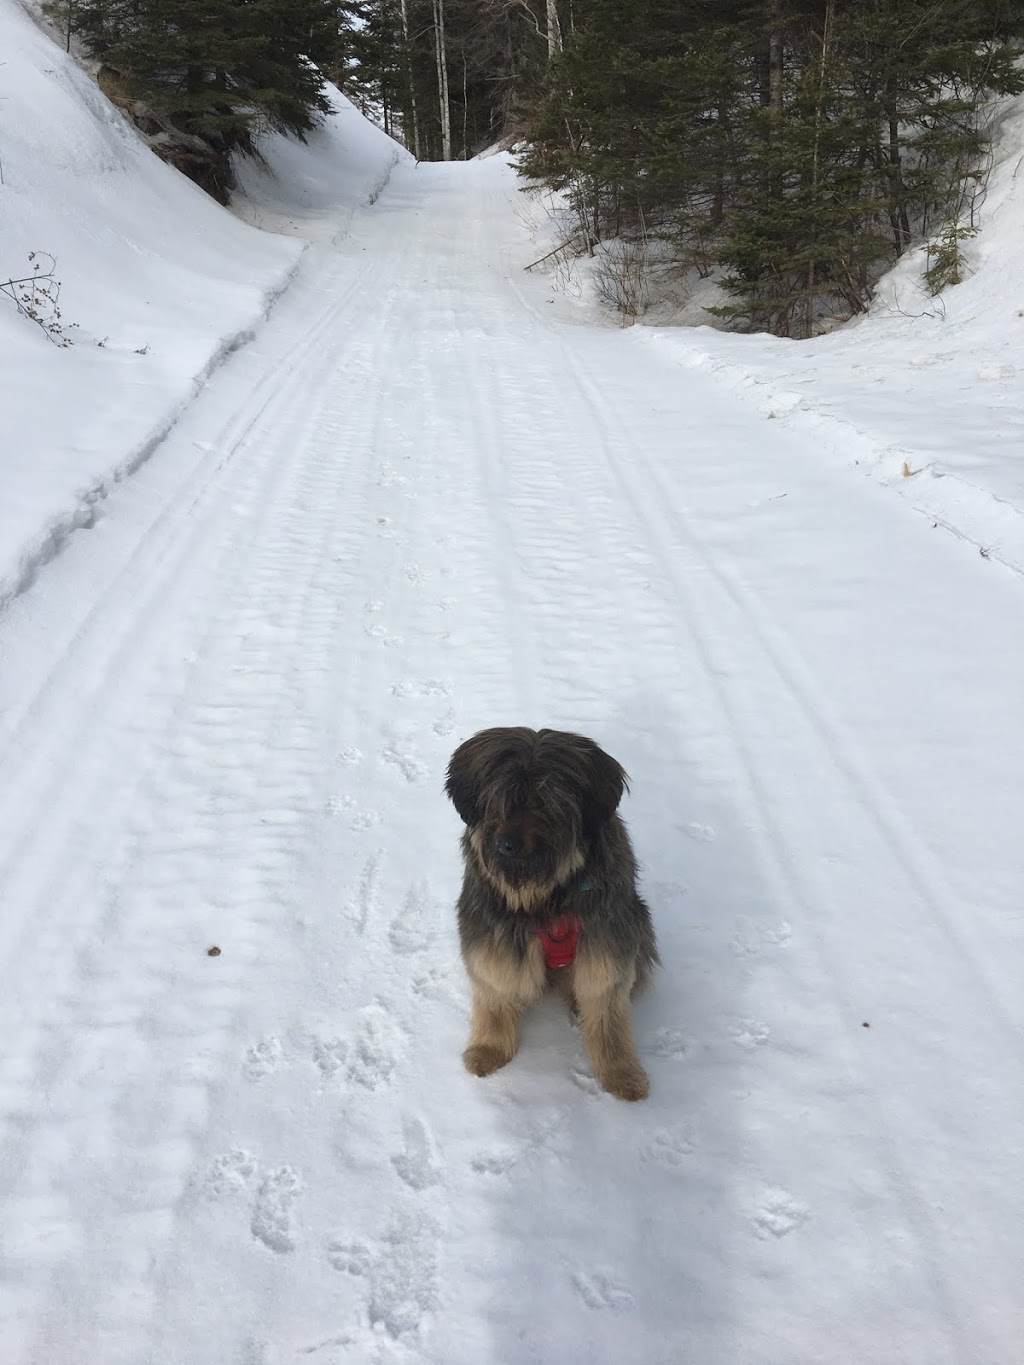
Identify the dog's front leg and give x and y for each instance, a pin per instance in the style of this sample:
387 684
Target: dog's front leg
606 1022
503 987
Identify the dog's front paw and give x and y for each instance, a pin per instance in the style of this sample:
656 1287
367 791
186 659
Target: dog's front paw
482 1060
627 1083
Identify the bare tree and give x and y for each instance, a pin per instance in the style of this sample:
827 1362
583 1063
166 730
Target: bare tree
554 30
442 81
776 49
551 32
413 106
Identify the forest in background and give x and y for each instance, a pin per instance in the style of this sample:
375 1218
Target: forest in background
793 149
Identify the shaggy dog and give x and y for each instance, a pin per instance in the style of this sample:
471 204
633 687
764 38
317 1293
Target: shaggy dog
549 896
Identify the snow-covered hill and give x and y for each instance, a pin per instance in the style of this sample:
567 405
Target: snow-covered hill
158 282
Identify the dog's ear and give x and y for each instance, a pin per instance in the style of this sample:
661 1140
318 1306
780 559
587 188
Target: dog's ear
463 783
606 782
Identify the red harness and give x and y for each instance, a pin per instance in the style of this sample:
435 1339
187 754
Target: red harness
559 938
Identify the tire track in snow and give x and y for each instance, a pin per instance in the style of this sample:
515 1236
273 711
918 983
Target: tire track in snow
116 988
386 1261
830 756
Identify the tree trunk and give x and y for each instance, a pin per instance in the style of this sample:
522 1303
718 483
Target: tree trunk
442 81
413 108
465 108
776 48
897 209
819 103
554 30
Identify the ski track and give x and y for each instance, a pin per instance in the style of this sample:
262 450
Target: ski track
415 506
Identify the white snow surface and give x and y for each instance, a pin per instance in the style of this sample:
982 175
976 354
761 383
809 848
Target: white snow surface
158 285
311 189
417 503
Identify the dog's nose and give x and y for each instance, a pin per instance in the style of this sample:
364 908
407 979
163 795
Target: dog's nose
509 844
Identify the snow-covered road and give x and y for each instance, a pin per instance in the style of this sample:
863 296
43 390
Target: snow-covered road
417 504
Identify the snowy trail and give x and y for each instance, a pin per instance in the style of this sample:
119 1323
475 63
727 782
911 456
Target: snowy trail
415 506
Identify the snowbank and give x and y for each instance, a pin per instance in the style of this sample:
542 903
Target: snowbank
312 188
158 282
924 394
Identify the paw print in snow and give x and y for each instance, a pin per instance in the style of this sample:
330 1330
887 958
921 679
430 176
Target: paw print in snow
404 1277
670 1149
778 1215
750 1033
409 766
753 937
271 1221
353 1258
262 1058
372 1058
329 1055
599 1290
231 1172
415 1164
671 1043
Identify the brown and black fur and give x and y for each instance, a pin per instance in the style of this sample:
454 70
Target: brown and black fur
540 809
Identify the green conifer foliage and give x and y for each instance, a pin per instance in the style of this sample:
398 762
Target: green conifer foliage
217 70
798 146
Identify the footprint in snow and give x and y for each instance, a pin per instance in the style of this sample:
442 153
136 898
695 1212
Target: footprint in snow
371 1059
262 1058
752 937
352 1258
358 818
425 687
670 1042
671 1149
389 477
271 1221
409 932
584 1081
494 1163
599 1290
750 1033
363 820
329 1055
403 1276
410 768
778 1214
416 1164
231 1173
381 633
437 985
362 905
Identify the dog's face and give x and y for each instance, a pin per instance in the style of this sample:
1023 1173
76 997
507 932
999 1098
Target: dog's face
533 801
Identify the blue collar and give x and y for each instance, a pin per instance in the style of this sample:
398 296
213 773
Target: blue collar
584 886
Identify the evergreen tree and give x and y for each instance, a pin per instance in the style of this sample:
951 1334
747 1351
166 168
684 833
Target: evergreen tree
799 144
219 71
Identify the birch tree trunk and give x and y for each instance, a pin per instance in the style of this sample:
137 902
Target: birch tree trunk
819 104
442 81
775 58
413 108
554 30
